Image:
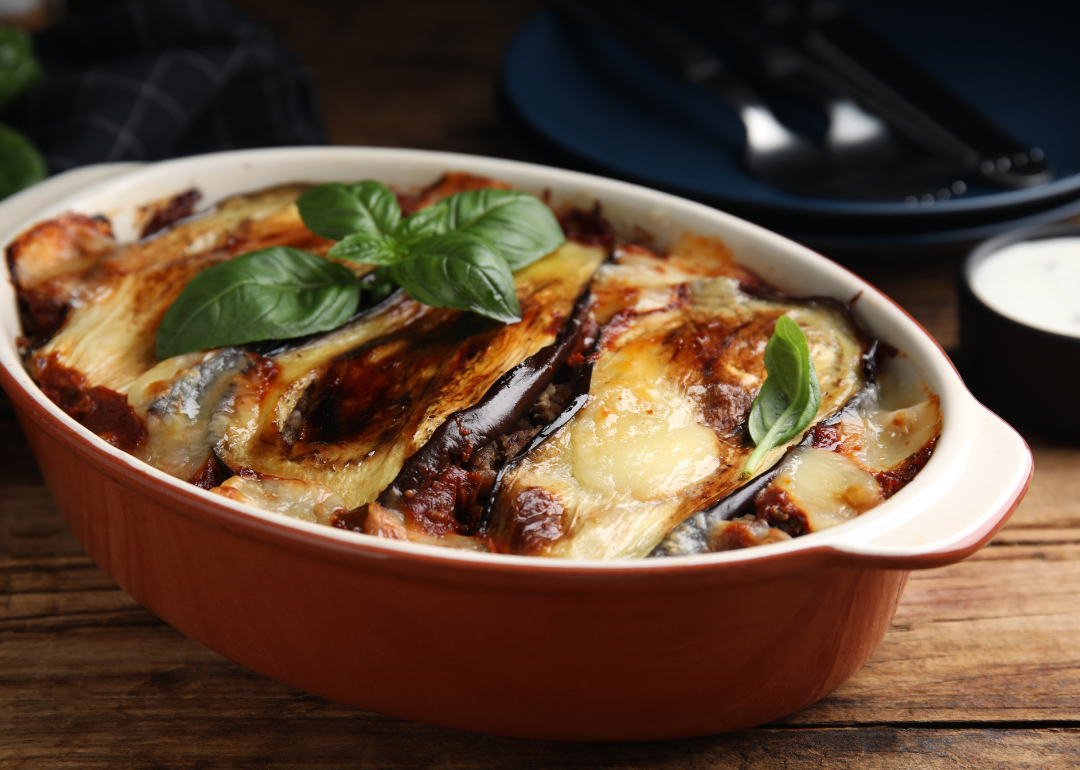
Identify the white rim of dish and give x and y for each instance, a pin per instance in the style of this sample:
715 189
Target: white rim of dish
778 259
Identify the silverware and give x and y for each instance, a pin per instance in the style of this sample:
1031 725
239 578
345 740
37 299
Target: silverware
918 103
845 165
853 134
821 41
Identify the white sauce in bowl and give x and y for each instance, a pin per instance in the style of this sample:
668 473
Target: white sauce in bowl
1036 283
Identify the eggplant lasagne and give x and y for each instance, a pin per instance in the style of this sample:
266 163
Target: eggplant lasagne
609 422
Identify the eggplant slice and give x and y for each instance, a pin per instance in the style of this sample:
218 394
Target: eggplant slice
91 309
112 307
844 467
437 493
345 410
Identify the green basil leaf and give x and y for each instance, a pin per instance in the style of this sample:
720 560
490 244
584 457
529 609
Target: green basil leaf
21 164
274 293
425 223
461 271
18 67
336 211
766 409
520 226
790 396
367 250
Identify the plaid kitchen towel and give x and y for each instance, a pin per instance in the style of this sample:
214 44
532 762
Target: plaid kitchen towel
163 78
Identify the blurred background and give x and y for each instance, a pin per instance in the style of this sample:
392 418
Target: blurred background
874 128
419 73
891 135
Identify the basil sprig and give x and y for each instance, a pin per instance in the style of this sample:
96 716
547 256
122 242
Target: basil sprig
19 69
789 398
366 221
458 253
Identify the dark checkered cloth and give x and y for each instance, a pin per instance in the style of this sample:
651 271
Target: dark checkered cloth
163 78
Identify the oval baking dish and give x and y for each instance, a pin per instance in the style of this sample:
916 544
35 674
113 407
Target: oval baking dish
511 645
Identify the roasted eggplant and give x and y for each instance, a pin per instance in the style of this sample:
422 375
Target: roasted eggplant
345 410
663 434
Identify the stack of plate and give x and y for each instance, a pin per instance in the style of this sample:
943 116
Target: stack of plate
572 99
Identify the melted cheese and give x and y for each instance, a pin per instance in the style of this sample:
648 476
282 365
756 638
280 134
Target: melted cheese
289 497
827 487
885 438
642 438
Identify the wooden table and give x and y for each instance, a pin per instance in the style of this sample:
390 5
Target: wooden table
981 668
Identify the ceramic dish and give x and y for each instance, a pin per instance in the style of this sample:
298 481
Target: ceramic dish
516 646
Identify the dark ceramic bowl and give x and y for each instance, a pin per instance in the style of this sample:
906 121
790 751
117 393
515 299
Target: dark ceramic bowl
1015 369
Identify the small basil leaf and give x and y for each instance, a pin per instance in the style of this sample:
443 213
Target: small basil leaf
461 271
335 211
368 250
766 409
520 226
790 396
21 164
425 223
274 293
18 67
789 367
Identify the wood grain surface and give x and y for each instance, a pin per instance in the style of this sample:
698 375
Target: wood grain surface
981 668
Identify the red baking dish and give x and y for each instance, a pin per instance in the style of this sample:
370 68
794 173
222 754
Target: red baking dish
516 646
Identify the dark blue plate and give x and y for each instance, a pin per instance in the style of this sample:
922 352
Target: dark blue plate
950 241
584 100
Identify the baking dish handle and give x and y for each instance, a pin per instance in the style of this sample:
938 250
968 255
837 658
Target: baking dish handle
957 512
